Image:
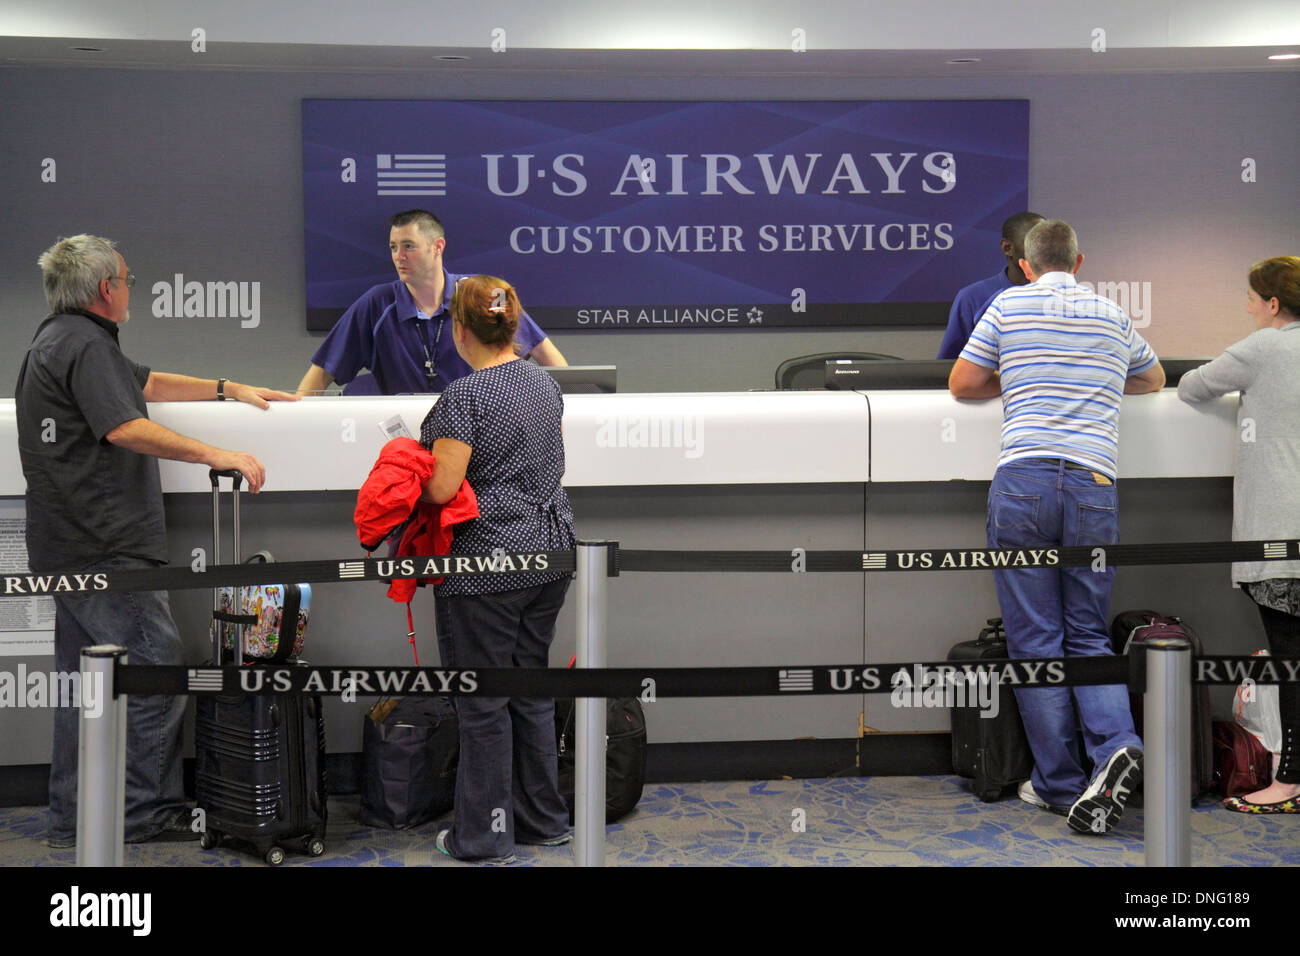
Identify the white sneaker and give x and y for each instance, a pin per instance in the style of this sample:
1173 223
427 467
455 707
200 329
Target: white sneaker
1028 794
1102 803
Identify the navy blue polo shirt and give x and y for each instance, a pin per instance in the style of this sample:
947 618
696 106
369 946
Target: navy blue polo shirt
87 499
967 307
384 332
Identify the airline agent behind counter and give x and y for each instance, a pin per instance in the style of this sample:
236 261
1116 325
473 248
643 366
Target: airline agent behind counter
499 428
398 330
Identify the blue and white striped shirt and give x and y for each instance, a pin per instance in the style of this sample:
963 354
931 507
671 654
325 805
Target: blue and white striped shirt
1062 353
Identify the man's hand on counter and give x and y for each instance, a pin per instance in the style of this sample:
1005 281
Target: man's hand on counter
257 395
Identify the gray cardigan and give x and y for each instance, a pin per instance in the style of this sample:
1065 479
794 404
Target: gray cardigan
1265 368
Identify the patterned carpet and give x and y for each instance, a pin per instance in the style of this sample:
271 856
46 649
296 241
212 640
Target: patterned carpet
846 821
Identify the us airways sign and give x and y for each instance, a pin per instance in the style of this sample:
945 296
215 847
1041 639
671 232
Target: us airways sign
439 566
342 681
801 214
962 559
499 561
16 584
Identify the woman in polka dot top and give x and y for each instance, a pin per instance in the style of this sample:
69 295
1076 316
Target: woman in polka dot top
499 428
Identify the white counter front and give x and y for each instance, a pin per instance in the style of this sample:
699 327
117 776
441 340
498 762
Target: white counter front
931 436
701 438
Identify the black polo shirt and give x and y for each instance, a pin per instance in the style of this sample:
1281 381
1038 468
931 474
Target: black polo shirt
87 499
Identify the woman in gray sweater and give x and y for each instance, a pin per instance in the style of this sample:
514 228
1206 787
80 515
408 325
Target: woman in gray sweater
1265 368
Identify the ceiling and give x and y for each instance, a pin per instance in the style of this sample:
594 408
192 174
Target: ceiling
337 58
670 37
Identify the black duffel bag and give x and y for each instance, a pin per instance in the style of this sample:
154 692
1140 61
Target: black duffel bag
409 752
625 745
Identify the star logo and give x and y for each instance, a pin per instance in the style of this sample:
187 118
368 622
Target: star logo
755 315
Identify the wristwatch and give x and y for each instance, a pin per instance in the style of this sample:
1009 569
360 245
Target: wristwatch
221 389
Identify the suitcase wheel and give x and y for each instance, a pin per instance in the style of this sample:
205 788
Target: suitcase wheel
990 795
210 840
275 856
314 846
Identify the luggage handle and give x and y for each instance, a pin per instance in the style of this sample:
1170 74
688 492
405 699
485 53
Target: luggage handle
218 641
1153 619
232 473
993 632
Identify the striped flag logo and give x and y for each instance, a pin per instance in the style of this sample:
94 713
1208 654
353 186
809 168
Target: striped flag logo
207 678
411 174
874 561
1275 549
795 680
352 569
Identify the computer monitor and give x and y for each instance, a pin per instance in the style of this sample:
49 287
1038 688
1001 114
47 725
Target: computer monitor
1176 368
886 373
584 379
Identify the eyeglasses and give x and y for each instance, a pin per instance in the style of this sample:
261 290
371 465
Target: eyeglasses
129 279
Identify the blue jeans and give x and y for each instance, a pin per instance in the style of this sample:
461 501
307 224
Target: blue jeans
1060 612
141 622
506 781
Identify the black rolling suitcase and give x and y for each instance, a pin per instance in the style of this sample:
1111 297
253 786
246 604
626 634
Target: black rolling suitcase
992 750
260 759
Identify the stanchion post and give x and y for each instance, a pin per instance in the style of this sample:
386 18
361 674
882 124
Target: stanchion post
589 806
101 762
1167 758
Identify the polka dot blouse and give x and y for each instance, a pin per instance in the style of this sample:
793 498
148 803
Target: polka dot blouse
509 415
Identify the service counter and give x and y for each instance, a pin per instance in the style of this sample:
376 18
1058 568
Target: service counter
717 471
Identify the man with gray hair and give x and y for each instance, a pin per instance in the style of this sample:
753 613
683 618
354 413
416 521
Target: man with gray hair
94 503
1061 356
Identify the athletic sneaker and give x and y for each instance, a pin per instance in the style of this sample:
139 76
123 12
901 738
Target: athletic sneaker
1103 802
444 834
1028 794
560 840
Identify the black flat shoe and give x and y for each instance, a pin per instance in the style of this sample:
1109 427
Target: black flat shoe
1242 805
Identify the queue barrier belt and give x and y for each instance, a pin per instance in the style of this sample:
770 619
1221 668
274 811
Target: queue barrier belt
23 584
651 683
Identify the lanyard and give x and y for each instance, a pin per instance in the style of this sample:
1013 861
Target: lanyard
430 366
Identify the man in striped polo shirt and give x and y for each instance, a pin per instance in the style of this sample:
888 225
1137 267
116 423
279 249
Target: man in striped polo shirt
1061 357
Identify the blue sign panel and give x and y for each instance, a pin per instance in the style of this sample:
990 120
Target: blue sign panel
668 215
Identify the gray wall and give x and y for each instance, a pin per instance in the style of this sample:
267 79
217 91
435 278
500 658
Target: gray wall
199 172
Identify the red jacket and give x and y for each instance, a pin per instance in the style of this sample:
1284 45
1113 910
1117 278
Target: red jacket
392 492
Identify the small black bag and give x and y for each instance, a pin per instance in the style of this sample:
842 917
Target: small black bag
994 751
625 748
409 763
